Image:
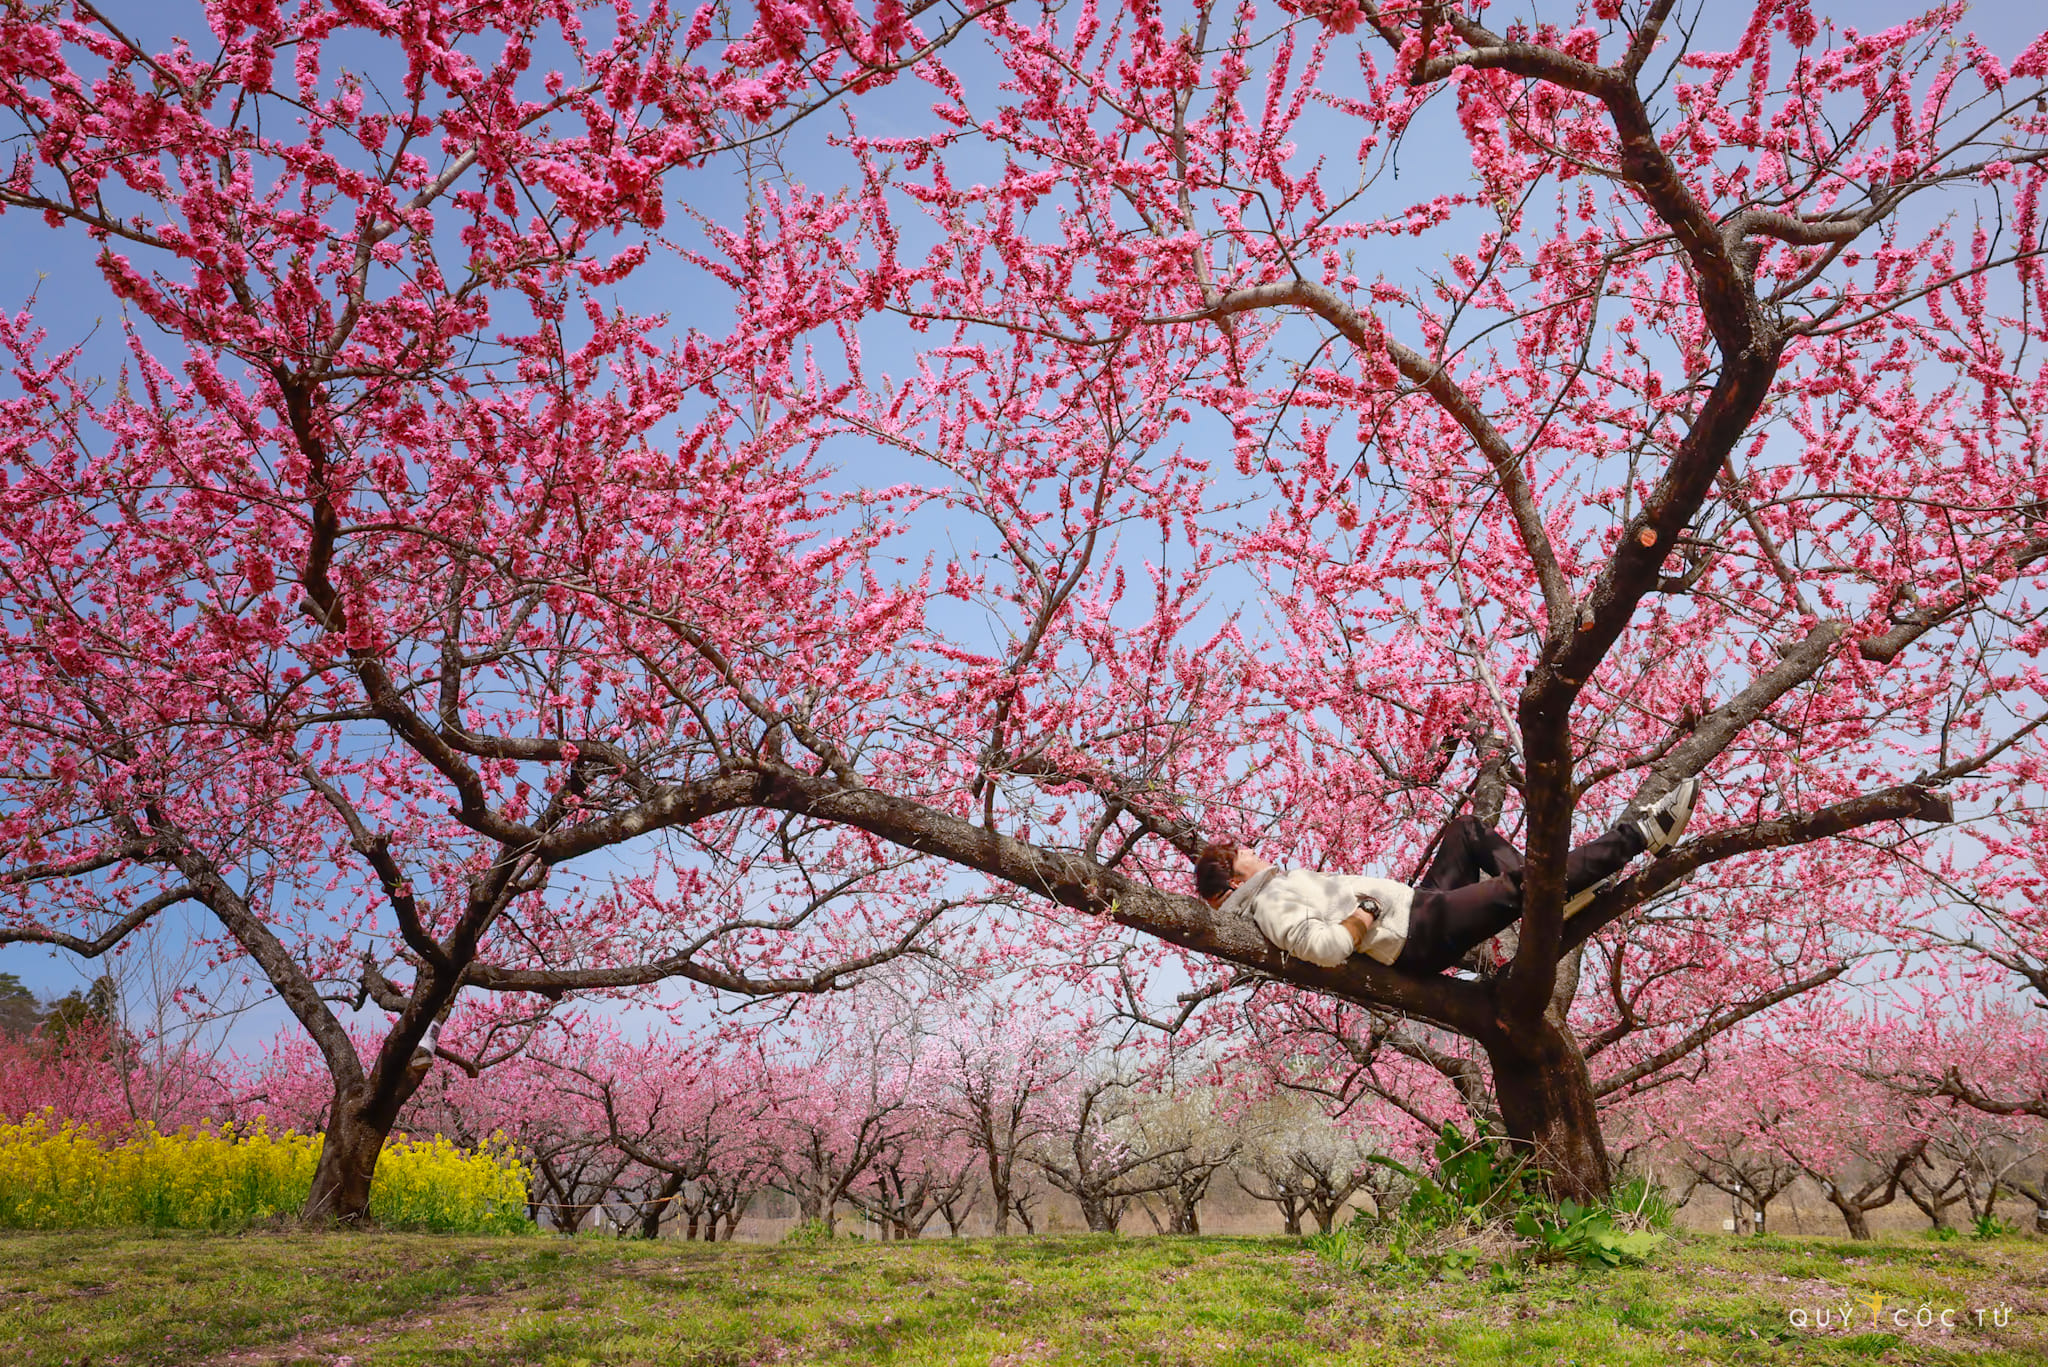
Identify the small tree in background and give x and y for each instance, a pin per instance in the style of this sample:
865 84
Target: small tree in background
1300 1161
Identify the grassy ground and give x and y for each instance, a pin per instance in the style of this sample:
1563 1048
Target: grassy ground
357 1300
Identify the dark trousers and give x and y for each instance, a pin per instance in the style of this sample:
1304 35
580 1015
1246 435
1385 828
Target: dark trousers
1473 890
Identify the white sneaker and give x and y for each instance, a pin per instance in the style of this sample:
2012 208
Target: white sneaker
1665 821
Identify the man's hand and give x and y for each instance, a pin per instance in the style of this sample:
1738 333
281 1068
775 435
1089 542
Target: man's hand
1359 924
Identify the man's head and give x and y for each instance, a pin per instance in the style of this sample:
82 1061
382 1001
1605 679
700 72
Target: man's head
1216 872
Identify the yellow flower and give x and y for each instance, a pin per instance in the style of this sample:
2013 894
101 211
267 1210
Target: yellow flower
63 1176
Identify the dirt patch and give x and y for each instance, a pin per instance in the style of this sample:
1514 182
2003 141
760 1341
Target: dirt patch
337 1347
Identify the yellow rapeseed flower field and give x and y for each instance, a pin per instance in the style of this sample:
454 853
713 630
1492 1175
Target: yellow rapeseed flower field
65 1176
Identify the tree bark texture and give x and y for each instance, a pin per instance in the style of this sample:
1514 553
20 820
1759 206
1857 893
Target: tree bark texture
1547 1105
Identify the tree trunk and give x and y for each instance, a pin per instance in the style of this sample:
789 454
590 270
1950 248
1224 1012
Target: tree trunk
2039 1197
359 1120
1852 1216
998 1185
810 1204
650 1215
1546 1103
1932 1203
1099 1215
348 1162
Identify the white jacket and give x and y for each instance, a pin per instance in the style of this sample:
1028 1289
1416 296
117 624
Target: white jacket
1302 912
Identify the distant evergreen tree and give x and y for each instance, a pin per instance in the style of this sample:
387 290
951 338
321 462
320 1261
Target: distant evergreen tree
95 1012
20 1012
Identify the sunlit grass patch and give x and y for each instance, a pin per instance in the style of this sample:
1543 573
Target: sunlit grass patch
395 1300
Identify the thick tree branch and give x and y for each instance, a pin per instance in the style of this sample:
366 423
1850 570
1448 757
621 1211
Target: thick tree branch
253 933
1899 803
1083 885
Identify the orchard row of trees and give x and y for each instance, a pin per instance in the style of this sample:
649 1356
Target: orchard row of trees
958 1114
577 500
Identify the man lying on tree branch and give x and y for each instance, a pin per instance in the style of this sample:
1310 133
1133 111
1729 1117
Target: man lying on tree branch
1472 892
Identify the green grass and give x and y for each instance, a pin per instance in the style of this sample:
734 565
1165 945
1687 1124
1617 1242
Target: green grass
104 1298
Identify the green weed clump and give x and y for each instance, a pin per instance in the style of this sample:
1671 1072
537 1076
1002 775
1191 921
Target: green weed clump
1482 1204
813 1233
1982 1228
66 1176
1991 1227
